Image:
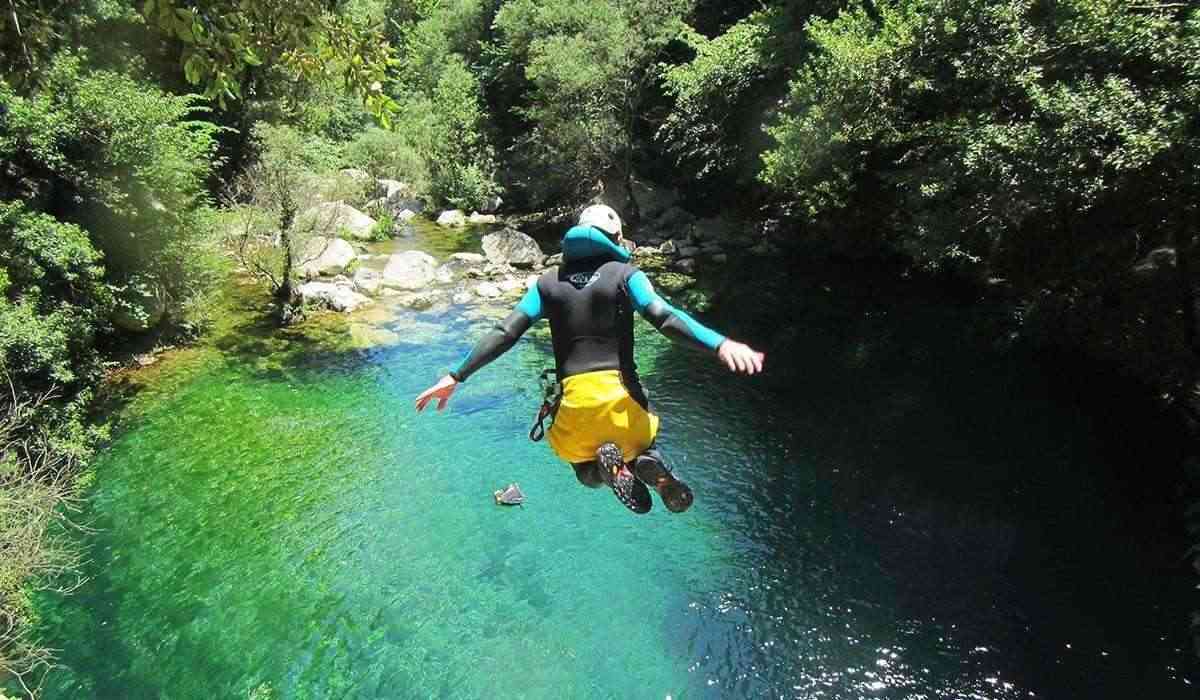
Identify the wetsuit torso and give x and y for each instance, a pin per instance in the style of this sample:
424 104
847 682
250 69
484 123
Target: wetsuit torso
589 301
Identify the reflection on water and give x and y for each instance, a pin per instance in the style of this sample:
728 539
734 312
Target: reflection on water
885 514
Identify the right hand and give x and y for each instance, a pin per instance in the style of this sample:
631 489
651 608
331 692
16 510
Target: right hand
442 391
739 357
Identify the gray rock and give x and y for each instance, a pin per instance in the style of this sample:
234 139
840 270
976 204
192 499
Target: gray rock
470 258
331 217
452 218
418 301
325 256
554 260
689 252
487 290
462 297
355 174
645 251
394 189
476 273
332 296
1156 261
668 248
409 270
673 219
140 307
406 215
452 270
478 219
721 258
491 205
716 228
508 286
686 265
511 247
711 247
368 281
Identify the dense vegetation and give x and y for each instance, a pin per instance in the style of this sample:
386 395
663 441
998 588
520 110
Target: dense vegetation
1047 149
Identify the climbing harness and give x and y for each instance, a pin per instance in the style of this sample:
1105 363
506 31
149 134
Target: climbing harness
552 391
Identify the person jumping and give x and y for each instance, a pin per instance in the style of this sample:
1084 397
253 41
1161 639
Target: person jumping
603 425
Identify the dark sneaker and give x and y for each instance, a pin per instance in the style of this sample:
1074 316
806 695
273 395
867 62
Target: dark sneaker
628 489
675 494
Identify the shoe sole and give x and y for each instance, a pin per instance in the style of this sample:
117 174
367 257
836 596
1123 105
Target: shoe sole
628 490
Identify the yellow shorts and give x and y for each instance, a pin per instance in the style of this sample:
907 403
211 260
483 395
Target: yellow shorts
596 408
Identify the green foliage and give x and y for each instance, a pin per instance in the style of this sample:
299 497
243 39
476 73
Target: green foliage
709 90
1011 137
224 42
587 66
387 154
123 160
441 113
384 226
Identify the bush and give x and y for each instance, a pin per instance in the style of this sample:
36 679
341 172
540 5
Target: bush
388 154
124 161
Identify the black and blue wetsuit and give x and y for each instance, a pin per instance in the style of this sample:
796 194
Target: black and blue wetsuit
589 302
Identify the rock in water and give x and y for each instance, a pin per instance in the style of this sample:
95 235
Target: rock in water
453 218
331 217
368 281
487 290
510 495
511 247
332 296
476 218
325 256
410 270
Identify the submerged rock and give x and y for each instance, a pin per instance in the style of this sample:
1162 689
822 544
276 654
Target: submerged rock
325 256
511 247
409 270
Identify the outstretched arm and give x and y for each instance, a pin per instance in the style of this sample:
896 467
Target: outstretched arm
681 327
497 342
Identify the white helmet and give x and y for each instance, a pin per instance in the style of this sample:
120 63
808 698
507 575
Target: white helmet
602 217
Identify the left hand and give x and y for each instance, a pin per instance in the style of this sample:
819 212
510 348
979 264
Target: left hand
442 391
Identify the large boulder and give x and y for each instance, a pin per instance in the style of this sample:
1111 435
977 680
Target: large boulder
409 270
452 218
389 189
511 247
139 307
368 281
330 218
325 256
332 296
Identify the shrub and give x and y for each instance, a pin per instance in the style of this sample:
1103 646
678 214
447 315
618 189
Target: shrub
388 154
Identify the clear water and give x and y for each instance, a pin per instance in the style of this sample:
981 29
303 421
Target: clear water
888 513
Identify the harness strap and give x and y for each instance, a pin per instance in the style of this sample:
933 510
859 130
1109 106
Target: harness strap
551 396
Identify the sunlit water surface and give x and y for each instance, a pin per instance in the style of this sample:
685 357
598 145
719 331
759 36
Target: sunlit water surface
889 514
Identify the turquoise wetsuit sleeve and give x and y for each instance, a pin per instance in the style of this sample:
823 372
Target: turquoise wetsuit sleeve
503 336
669 321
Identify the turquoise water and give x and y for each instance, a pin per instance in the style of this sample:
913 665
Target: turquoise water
888 513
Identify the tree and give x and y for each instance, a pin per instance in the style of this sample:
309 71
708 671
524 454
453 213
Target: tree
588 67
